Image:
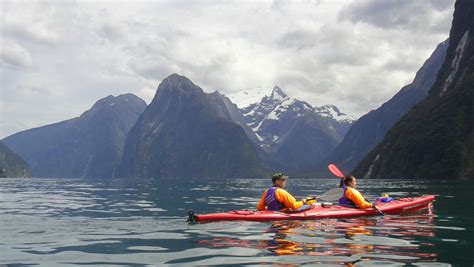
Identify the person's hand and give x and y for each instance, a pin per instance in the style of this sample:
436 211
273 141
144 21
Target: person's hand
309 200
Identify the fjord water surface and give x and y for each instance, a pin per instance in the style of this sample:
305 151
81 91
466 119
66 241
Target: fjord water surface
58 222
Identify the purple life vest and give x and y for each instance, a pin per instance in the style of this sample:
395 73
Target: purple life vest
344 201
270 200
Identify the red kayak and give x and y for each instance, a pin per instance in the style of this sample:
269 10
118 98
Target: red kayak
319 211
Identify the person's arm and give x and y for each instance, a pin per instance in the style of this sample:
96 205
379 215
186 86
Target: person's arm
287 199
261 204
357 198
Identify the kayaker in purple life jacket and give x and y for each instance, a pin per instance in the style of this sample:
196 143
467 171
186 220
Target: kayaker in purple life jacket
351 197
277 198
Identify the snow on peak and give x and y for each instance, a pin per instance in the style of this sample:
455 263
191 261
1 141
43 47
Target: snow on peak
246 98
278 94
331 111
280 109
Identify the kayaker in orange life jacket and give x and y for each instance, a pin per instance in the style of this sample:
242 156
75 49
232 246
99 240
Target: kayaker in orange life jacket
277 198
351 197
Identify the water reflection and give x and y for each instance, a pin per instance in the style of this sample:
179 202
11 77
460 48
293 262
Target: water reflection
393 239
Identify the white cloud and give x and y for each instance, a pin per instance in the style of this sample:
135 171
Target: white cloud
60 57
29 22
14 55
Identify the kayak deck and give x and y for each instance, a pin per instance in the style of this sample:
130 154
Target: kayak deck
399 206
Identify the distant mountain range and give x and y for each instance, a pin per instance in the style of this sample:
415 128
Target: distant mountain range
424 131
183 133
89 146
435 139
11 165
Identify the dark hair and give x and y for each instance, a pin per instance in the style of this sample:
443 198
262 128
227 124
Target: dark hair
277 176
346 180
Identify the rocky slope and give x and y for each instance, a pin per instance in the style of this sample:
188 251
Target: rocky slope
11 165
185 133
371 128
435 139
88 146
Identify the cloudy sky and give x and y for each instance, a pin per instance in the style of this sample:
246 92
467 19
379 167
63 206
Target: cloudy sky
58 57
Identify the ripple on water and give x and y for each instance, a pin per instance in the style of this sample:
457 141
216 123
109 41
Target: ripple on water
59 222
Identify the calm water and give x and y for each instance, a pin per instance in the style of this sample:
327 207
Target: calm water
57 222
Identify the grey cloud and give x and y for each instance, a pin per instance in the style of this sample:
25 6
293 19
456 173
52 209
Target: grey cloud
298 39
176 51
442 4
283 5
331 46
15 55
413 15
401 64
30 33
39 90
443 25
23 91
110 32
295 81
153 70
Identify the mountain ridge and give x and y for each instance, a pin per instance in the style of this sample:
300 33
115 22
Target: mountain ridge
370 129
291 132
86 146
183 134
435 139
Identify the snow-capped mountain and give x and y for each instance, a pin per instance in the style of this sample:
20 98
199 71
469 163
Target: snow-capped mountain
261 116
246 98
332 112
272 108
293 132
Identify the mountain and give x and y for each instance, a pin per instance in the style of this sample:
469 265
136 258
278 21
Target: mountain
11 165
88 146
340 121
185 133
435 139
370 129
293 133
232 112
245 98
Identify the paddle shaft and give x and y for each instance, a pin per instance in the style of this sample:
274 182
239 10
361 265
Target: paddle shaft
378 210
375 207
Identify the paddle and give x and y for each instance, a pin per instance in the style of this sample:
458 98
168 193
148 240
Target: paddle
336 172
331 195
335 193
328 196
